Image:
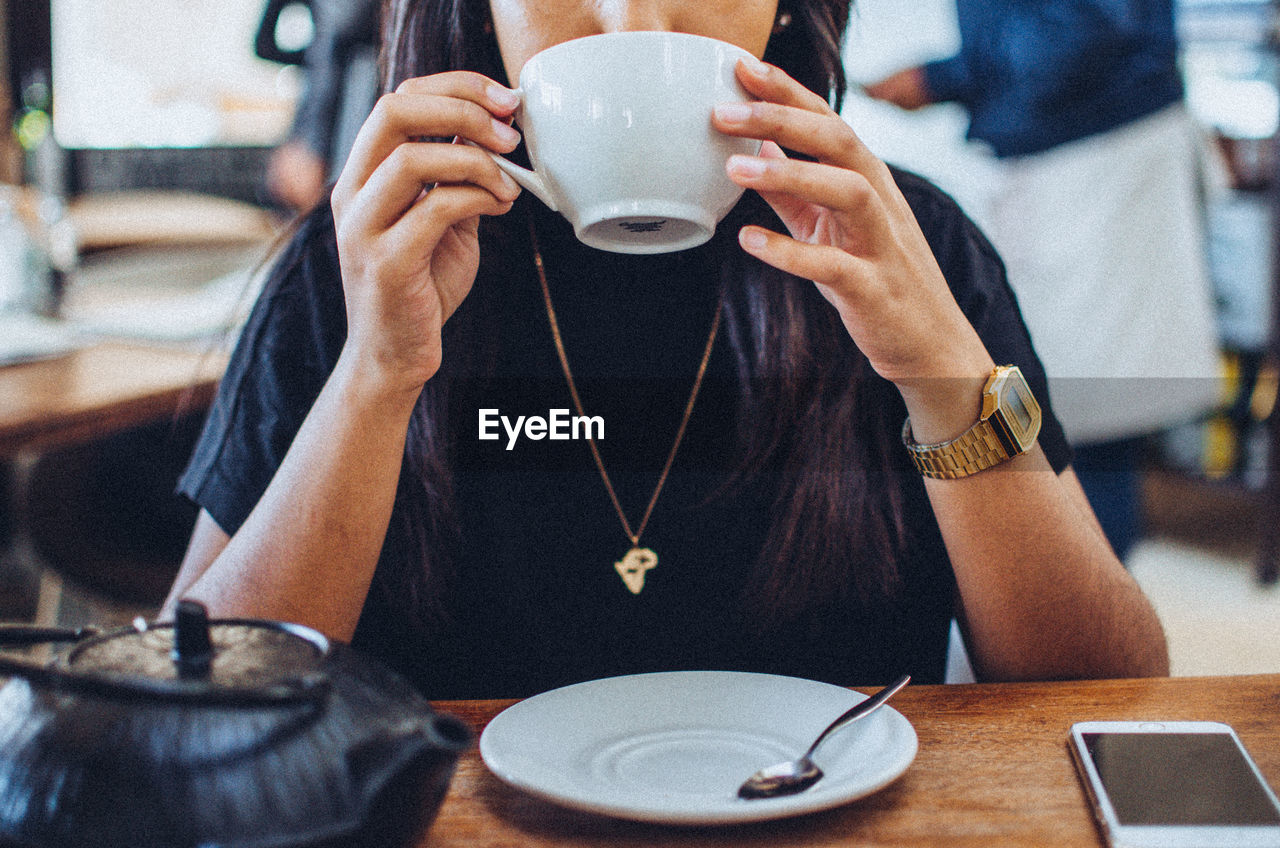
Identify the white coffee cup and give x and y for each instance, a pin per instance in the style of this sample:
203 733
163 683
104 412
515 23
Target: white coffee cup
618 130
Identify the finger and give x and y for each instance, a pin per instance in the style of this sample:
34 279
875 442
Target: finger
771 150
397 118
825 137
423 227
769 82
466 85
825 265
401 178
437 211
458 106
789 209
794 186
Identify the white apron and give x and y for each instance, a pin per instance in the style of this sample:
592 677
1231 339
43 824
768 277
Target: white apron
1103 239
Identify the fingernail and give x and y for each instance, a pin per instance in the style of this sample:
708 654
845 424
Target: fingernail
752 239
755 67
506 133
504 97
733 113
511 185
746 166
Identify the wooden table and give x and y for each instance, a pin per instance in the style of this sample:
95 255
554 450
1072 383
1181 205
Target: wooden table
992 770
100 390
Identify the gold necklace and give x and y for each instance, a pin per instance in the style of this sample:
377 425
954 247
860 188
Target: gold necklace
637 561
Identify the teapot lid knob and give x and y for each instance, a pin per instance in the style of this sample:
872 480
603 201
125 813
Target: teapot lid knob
192 649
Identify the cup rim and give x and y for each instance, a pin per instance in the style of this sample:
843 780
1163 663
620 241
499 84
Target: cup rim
634 35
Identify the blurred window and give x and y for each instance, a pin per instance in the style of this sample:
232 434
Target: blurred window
165 73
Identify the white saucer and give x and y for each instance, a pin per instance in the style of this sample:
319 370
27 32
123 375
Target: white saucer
673 747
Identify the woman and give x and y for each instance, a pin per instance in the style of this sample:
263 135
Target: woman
343 483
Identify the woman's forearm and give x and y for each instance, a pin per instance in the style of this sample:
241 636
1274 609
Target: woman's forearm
1042 594
308 550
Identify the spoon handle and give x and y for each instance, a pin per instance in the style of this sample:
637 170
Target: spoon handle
859 710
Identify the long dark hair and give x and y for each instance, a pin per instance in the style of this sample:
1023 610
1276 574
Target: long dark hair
816 411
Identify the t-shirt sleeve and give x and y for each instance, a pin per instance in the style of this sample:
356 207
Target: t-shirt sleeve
285 353
948 79
976 275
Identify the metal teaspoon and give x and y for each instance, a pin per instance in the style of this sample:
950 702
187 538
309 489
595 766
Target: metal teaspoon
792 776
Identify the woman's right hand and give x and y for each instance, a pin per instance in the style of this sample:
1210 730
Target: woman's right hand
407 212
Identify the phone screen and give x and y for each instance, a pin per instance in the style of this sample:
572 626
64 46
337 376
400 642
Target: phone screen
1179 779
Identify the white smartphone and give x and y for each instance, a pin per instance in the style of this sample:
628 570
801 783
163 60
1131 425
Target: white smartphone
1174 784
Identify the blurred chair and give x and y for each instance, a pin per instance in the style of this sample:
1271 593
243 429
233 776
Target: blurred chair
104 515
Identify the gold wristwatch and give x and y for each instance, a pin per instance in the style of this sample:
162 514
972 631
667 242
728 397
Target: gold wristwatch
1008 426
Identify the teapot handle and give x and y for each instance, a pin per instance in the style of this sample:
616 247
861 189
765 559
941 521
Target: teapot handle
25 635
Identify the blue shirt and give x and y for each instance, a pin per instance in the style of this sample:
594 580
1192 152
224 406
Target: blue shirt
1034 75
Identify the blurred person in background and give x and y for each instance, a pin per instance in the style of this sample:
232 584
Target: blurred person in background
340 88
1096 213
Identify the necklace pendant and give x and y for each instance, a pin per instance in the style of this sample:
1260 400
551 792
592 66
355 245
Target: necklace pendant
632 567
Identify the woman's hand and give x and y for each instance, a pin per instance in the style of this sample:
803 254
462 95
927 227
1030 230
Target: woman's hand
1061 604
853 234
406 212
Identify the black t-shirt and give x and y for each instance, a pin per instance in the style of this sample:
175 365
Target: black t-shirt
537 602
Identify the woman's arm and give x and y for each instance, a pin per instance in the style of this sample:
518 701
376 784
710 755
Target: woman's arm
1044 50
1042 594
408 257
1015 584
308 550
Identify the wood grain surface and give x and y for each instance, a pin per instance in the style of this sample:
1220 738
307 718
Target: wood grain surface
993 770
99 390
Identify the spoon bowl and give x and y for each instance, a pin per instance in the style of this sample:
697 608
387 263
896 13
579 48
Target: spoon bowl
792 776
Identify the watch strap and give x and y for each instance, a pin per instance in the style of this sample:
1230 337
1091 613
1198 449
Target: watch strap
977 449
1006 427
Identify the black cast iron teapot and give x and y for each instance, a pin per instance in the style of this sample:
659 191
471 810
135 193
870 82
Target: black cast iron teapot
237 733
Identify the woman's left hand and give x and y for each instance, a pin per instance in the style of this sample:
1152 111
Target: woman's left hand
853 234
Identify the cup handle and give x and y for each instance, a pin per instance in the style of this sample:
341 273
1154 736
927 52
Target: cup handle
526 178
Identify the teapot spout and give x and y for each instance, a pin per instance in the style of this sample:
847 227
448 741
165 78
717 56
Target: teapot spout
377 758
404 771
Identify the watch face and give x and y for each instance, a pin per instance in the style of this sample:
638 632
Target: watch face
1017 410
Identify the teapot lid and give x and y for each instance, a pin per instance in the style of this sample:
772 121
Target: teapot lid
227 661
